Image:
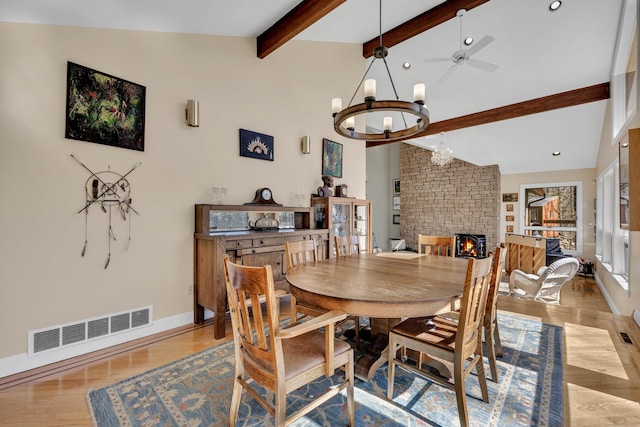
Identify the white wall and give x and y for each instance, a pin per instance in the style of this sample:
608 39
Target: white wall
620 300
43 279
383 166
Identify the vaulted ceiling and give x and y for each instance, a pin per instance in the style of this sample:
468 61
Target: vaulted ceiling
548 93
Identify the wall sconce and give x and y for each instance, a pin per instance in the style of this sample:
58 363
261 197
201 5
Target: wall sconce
192 113
306 144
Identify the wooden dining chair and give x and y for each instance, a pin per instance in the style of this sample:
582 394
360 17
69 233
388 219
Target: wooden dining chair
454 342
280 359
346 246
493 345
297 253
436 245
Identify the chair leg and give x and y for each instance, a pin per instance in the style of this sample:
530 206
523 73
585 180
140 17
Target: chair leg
351 406
357 321
496 338
461 396
391 365
293 310
482 378
235 402
491 351
280 409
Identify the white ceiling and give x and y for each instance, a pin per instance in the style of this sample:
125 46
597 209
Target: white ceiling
539 53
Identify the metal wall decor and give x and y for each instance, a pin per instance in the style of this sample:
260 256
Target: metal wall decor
108 190
256 145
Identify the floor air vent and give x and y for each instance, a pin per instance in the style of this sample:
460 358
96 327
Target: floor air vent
626 338
63 335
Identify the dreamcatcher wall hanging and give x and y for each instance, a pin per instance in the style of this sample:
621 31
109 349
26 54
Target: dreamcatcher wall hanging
110 191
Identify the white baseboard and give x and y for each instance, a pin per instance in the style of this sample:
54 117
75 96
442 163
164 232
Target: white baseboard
22 362
607 297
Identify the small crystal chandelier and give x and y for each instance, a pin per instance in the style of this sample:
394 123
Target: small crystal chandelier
443 154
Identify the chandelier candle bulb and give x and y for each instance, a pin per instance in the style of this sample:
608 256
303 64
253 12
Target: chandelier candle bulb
351 123
388 123
369 90
336 105
419 93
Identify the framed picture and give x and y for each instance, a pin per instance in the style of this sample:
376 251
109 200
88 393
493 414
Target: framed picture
509 228
624 183
256 145
331 158
396 203
396 186
104 109
510 218
396 219
509 197
510 207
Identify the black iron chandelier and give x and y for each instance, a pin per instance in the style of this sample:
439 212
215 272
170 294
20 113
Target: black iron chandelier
344 119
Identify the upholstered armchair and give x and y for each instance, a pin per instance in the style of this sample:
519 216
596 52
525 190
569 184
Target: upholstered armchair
544 286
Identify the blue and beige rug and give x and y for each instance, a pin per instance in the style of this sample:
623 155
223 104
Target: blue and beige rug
196 391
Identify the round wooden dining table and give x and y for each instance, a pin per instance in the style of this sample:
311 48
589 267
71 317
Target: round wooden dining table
384 286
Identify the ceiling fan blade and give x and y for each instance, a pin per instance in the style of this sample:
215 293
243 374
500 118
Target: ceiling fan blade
438 59
483 65
447 73
483 42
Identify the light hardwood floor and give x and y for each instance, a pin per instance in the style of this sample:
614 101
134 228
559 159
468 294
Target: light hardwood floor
601 372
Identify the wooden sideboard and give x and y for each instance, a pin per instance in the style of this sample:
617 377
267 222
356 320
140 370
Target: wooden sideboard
247 247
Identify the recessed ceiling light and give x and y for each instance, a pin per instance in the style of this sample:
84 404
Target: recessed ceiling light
468 41
406 65
556 153
625 144
555 5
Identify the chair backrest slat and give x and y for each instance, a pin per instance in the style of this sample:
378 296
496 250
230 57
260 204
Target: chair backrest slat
496 274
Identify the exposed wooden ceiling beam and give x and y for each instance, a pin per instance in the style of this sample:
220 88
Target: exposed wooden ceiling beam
571 98
294 22
421 23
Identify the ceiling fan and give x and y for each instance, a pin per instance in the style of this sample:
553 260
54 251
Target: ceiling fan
463 55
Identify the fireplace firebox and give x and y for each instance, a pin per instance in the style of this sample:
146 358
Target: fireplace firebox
471 246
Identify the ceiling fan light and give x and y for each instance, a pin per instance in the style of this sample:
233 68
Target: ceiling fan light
468 41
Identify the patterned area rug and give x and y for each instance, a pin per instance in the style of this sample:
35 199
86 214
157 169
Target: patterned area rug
196 391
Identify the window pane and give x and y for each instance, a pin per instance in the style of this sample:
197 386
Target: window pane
551 206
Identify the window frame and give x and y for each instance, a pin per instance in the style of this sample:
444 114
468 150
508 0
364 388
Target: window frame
578 229
611 238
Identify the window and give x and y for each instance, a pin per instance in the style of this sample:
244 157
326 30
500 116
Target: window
612 242
551 211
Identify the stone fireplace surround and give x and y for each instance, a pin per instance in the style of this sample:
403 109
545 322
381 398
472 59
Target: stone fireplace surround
457 198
